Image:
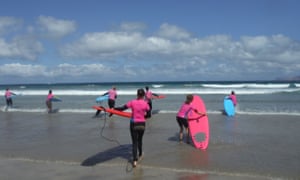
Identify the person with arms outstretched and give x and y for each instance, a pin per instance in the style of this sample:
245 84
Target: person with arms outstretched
8 97
112 96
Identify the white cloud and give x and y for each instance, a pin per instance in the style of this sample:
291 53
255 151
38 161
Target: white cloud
20 48
102 45
169 53
79 70
55 28
61 70
132 26
22 70
173 32
8 24
277 48
216 53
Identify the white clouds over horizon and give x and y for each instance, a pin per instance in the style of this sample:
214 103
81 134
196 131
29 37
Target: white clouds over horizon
55 28
130 54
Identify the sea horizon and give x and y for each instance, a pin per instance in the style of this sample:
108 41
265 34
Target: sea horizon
151 82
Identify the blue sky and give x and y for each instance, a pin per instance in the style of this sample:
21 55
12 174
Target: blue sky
54 41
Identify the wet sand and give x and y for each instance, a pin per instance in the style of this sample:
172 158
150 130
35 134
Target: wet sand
77 146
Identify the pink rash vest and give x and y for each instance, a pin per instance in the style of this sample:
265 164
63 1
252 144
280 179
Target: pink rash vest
138 107
8 94
112 94
148 95
49 97
233 98
184 109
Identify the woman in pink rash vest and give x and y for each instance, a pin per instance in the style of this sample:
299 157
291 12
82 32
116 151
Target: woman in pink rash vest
139 107
182 114
233 98
148 97
182 117
112 96
49 102
8 95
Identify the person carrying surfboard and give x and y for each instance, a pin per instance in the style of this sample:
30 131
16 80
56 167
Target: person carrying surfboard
148 97
182 119
112 96
139 107
49 102
8 96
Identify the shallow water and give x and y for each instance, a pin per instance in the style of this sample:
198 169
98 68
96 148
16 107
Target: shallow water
244 146
253 98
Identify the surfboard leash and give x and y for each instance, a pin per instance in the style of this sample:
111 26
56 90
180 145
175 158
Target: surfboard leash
103 127
129 166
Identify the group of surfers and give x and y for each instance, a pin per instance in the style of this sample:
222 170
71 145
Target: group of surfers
141 108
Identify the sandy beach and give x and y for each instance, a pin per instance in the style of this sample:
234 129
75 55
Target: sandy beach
77 146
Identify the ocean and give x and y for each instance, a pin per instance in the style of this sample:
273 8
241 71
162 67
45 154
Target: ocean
260 142
253 97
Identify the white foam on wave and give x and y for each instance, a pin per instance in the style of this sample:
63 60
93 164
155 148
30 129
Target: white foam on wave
248 85
83 111
157 85
224 85
163 90
269 113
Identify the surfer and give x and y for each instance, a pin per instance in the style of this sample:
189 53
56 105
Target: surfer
112 96
49 102
8 97
148 98
139 108
181 117
232 96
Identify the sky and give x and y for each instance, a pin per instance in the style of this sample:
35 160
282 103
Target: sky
59 41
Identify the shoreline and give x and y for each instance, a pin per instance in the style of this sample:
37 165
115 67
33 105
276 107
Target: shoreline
71 146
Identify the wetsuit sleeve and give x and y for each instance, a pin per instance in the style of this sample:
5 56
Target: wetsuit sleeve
121 108
105 94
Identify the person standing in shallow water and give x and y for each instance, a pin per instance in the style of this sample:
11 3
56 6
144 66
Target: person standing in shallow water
8 97
232 96
139 107
182 117
148 98
49 102
112 96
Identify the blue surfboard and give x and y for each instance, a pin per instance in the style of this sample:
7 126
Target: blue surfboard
56 99
101 98
15 95
229 107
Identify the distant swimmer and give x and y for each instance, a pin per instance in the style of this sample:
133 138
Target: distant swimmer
8 96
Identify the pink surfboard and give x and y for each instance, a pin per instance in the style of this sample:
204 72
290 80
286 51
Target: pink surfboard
198 124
